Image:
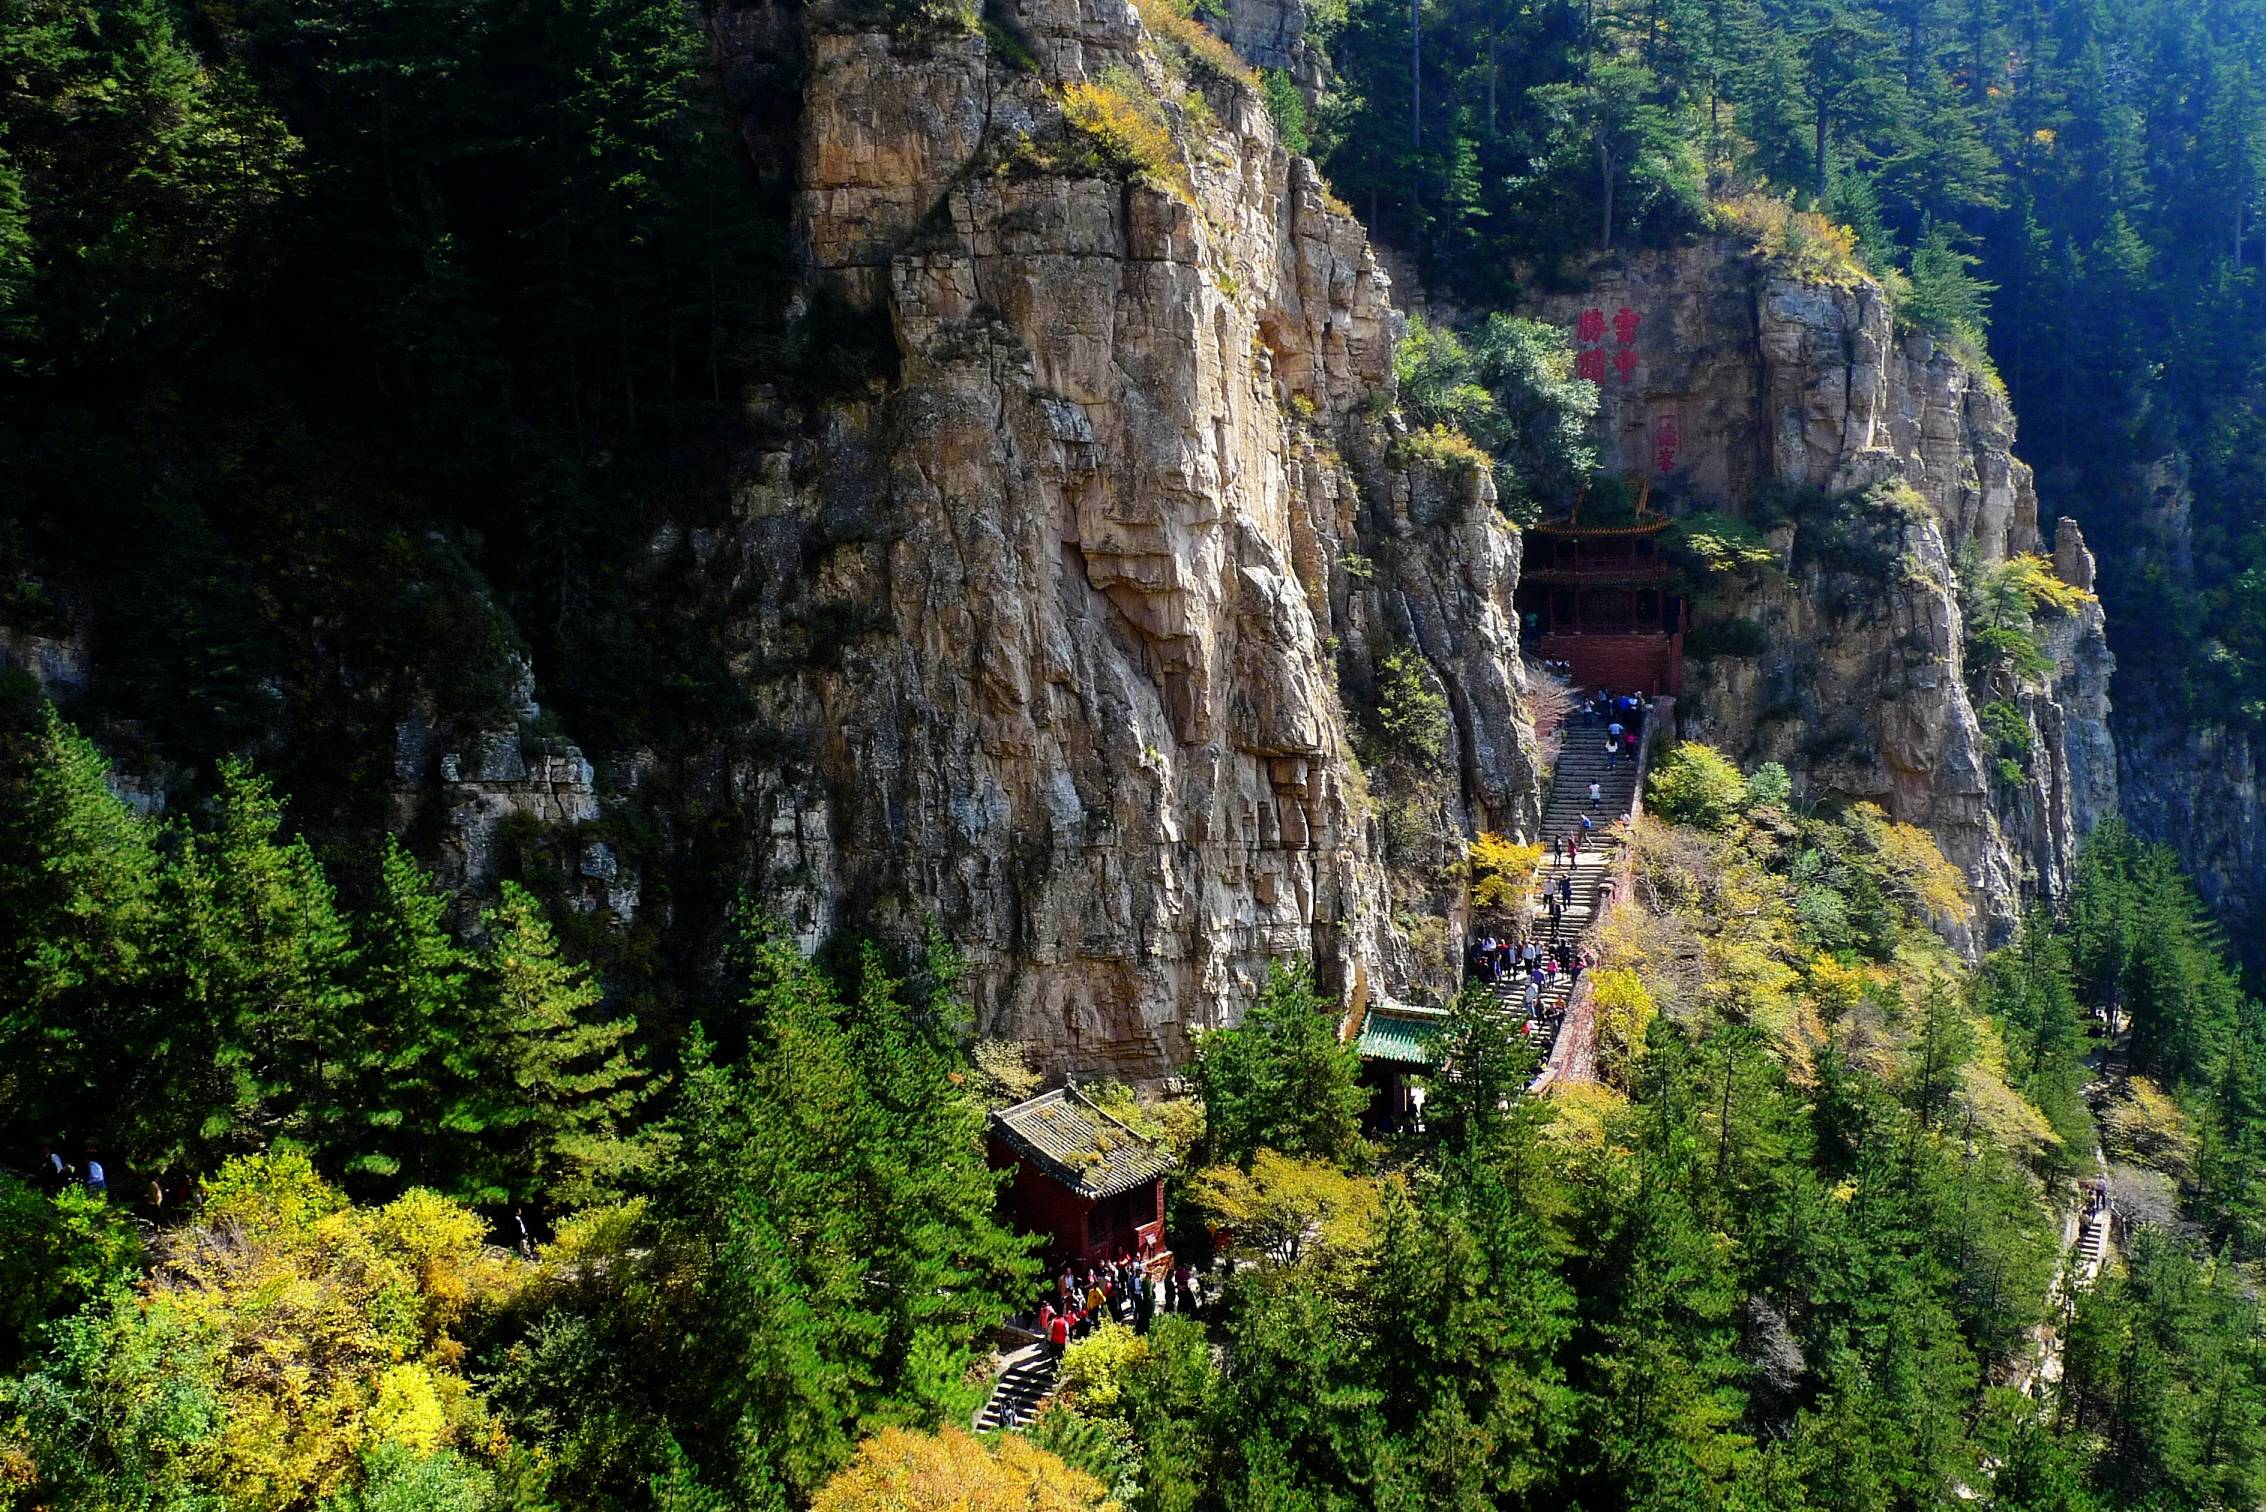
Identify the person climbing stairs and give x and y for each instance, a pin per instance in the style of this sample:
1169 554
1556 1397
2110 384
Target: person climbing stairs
1026 1381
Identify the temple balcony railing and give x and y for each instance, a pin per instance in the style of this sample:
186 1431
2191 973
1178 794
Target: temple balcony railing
1633 574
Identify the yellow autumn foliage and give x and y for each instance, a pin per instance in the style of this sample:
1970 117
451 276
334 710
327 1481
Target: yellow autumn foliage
1501 870
1624 1011
317 1330
1181 39
1807 244
1914 868
1285 1208
1127 128
2011 1119
2144 1125
1094 1368
2035 576
899 1470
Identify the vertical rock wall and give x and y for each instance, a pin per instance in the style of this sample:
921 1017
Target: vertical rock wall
2192 778
1048 631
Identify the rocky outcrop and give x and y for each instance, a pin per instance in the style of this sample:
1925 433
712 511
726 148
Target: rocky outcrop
1047 632
1273 34
1877 461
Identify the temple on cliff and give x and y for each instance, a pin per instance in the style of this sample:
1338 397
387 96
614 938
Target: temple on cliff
1597 598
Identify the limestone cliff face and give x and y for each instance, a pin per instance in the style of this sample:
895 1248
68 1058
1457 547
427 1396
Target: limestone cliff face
2189 781
1048 630
1743 377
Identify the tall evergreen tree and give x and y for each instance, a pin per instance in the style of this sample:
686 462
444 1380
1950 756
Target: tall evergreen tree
410 1101
263 963
80 926
1282 1079
562 1128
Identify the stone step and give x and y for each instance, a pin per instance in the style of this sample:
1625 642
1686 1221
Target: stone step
1025 1382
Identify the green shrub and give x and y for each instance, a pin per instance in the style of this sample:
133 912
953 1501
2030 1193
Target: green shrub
1286 103
1442 446
2006 734
1695 784
1768 786
1710 543
56 1255
2016 650
1411 708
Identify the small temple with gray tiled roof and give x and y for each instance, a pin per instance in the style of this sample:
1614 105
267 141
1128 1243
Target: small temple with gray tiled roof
1090 1182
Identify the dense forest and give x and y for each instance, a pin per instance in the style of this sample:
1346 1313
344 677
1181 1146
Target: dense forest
1795 1249
2068 191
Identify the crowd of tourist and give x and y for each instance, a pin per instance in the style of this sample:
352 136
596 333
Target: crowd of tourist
1551 953
1623 716
1086 1294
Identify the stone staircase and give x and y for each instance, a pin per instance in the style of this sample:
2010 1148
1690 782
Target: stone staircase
1026 1380
1581 761
2092 1246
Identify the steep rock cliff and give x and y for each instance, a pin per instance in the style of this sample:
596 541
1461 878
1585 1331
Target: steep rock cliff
1047 629
2189 780
1797 405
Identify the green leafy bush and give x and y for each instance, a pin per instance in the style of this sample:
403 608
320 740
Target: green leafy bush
1412 709
1710 543
1768 786
1695 784
1286 103
2007 736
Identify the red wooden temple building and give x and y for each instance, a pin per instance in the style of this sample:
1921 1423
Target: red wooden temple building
1088 1181
1597 598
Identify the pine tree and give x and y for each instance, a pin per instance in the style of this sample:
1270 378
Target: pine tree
411 1107
838 1173
80 921
569 1081
263 965
1282 1079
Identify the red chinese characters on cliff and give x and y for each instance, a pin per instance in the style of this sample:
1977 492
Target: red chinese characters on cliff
1589 331
1667 440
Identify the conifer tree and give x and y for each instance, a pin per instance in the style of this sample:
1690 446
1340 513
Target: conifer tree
569 1082
838 1174
80 920
411 1106
262 961
1282 1079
